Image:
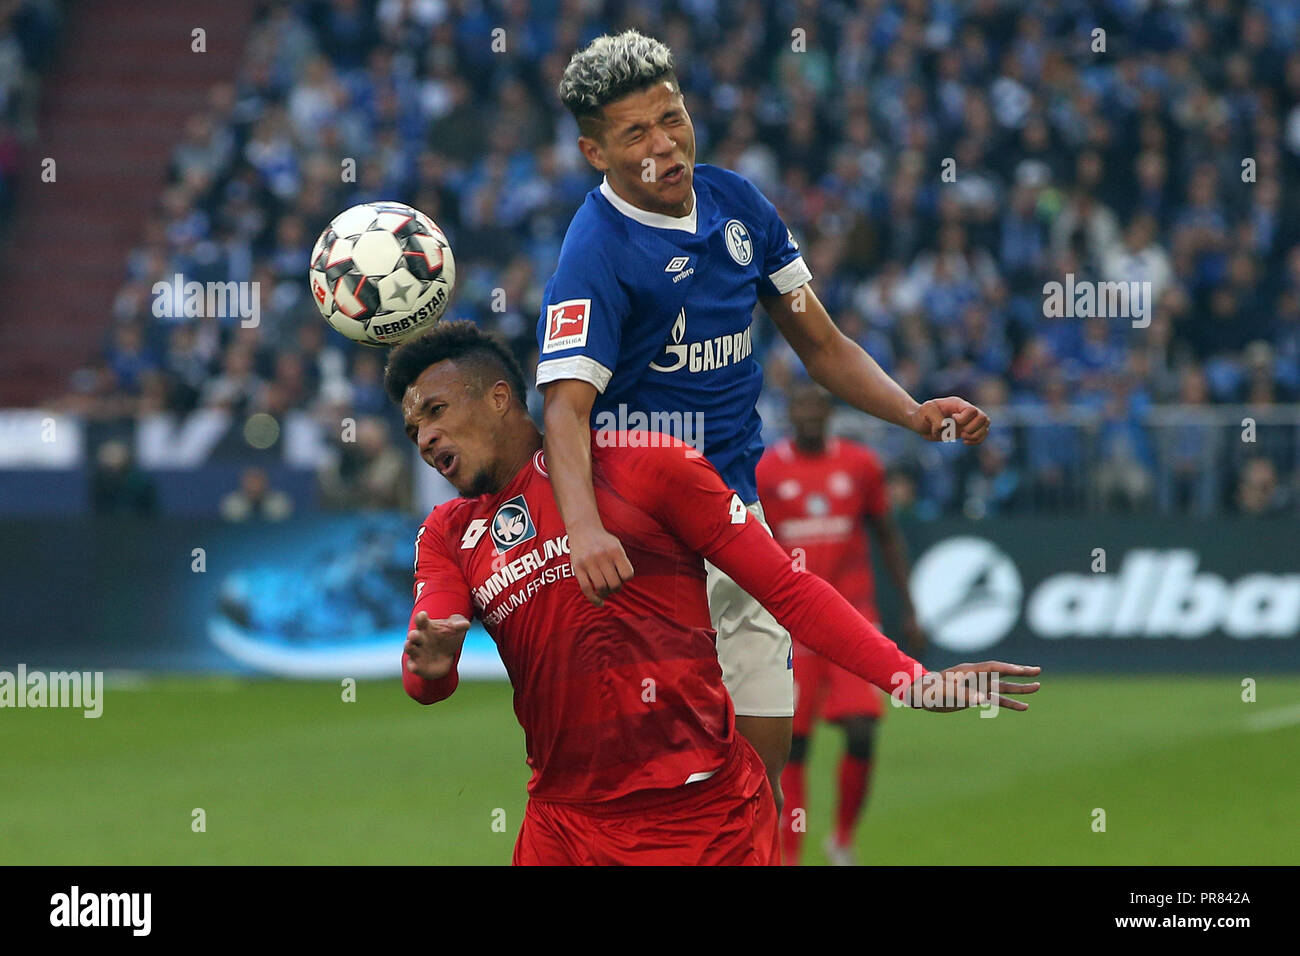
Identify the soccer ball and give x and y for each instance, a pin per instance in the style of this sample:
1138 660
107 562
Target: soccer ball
382 273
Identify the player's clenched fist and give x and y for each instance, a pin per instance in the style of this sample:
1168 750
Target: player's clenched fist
599 563
930 420
432 645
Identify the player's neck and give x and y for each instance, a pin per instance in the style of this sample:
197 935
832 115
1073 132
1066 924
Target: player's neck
812 446
517 454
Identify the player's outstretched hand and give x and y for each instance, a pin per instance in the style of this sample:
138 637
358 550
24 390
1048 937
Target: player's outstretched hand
431 645
971 685
599 563
969 423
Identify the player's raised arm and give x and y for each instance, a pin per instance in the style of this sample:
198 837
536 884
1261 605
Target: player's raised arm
692 501
599 562
819 618
843 367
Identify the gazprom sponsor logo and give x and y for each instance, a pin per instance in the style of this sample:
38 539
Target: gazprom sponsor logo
704 356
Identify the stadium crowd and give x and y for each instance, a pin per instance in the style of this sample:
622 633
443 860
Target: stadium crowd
939 162
27 29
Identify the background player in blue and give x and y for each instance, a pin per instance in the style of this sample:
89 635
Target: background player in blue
649 313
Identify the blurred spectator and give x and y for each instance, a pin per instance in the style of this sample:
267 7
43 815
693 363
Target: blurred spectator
255 499
1055 452
1139 258
129 358
237 385
371 473
993 487
1123 473
902 488
118 486
368 395
1190 449
1258 491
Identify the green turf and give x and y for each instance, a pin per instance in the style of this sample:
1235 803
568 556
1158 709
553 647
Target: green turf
289 773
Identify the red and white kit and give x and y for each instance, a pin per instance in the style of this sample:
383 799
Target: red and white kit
629 731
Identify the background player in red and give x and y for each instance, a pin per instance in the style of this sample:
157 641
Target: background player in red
629 730
821 495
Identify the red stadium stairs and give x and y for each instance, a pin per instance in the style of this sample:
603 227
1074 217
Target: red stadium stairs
112 110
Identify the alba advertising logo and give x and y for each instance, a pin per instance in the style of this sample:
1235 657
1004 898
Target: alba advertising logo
968 595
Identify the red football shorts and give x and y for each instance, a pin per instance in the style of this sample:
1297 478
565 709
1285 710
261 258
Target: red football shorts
826 690
727 820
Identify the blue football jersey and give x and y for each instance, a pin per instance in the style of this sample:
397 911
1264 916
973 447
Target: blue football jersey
656 313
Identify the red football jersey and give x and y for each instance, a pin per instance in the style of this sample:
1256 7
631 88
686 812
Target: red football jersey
820 503
626 698
612 699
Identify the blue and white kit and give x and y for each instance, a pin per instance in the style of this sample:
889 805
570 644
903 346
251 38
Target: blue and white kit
656 313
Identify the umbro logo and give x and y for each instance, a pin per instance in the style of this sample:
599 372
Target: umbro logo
677 264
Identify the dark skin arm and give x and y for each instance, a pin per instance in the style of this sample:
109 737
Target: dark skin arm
832 359
597 557
843 368
893 549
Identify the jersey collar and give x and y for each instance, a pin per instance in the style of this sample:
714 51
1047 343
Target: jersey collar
653 219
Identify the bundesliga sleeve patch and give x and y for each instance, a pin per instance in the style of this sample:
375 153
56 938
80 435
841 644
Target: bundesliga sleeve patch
566 325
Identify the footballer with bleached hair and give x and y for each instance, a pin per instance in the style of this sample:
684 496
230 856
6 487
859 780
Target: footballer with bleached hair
649 313
596 82
610 67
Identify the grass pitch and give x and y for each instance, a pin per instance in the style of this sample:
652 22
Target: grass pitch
289 773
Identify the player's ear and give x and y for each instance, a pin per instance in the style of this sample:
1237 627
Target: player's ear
500 397
592 153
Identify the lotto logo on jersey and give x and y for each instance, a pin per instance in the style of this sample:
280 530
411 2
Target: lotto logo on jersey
566 325
512 524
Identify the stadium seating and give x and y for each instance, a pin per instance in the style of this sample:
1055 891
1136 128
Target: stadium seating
1061 158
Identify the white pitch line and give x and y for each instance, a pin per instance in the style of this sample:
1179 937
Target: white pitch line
1273 719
